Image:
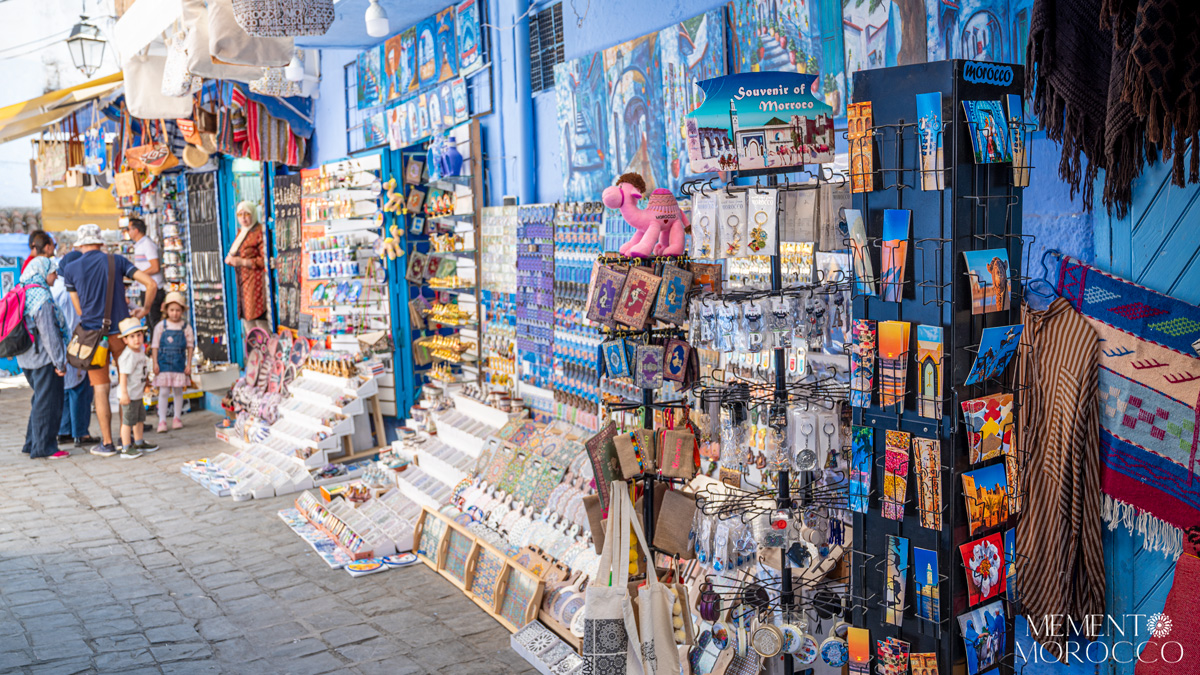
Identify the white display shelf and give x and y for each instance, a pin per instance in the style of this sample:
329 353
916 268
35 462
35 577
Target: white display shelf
490 416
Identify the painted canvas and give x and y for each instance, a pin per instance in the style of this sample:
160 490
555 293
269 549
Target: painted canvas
895 474
926 583
988 272
893 363
692 51
983 563
894 260
859 120
896 581
633 76
984 636
997 348
470 46
408 61
862 458
932 137
397 127
927 460
447 45
985 492
427 54
930 351
864 271
1016 138
786 36
458 94
760 120
1010 564
978 30
987 126
862 362
368 77
582 106
989 422
879 33
393 51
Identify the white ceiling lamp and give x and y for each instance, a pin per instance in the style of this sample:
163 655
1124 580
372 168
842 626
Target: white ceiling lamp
377 20
86 45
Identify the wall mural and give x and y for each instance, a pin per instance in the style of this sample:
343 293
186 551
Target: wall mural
635 110
582 104
692 51
978 30
880 33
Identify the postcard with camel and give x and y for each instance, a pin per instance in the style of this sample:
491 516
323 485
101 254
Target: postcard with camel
988 273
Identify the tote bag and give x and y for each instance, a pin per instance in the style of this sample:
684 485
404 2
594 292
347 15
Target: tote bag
283 18
200 62
656 628
177 79
143 90
610 636
228 43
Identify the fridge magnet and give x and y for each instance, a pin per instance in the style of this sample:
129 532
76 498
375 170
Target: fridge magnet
1010 564
928 458
893 363
637 298
895 253
984 563
930 351
760 120
896 581
988 128
862 457
997 348
895 474
1016 135
985 492
925 583
989 275
864 271
929 130
983 630
859 120
989 423
862 363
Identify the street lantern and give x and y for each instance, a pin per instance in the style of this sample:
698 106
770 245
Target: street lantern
86 46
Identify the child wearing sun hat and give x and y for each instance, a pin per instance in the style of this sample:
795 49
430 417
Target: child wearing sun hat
171 350
134 370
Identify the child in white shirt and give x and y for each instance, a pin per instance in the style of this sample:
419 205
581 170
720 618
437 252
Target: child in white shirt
134 370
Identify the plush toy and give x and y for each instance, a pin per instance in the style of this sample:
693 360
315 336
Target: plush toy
659 227
394 201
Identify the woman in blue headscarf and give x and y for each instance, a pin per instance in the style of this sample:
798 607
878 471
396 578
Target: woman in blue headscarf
45 363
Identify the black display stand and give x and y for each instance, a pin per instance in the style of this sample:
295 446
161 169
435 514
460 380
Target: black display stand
979 209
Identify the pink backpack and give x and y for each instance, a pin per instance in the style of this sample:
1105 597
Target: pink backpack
14 336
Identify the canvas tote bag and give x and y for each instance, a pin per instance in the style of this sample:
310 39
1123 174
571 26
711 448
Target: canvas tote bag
656 628
229 43
283 18
610 635
200 62
143 90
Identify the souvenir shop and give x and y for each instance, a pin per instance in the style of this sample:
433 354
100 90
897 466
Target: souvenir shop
761 342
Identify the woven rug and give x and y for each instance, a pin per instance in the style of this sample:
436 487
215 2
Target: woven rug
1149 403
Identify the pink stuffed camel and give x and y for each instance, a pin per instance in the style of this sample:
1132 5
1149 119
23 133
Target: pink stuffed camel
659 227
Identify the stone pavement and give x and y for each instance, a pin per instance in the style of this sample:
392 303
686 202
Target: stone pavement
110 565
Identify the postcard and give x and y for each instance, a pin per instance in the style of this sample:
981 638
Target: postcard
923 664
895 474
862 363
985 492
1016 134
896 580
928 459
988 273
760 120
858 643
929 130
989 423
893 363
983 630
892 654
862 457
926 582
1010 563
983 560
864 271
996 349
930 351
1012 470
895 253
859 119
988 128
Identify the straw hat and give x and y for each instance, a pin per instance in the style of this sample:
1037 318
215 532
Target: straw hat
130 326
175 297
195 157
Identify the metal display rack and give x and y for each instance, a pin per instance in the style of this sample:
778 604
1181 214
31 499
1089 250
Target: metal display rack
979 209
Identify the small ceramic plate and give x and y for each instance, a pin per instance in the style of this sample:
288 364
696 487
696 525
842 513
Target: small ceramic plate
402 560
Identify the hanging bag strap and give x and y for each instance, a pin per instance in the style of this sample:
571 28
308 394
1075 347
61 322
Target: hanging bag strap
108 294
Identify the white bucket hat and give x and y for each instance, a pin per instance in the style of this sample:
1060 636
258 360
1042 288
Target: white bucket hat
88 234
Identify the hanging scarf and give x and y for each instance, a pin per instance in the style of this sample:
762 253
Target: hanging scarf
37 292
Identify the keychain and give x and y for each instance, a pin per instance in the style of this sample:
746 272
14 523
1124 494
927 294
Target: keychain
753 315
726 326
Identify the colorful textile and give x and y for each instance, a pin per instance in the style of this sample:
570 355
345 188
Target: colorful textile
1149 402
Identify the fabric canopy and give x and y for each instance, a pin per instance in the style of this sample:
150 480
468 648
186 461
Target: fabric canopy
22 119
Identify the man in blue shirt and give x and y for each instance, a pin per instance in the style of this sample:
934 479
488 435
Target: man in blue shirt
77 390
87 281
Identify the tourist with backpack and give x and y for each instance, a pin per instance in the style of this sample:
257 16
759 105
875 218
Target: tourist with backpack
98 294
45 362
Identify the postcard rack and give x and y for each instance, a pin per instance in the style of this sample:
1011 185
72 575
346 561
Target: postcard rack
979 208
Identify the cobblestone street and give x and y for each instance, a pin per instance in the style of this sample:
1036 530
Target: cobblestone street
110 565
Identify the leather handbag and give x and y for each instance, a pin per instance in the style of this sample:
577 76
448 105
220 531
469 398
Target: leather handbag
229 43
86 350
200 61
143 90
154 156
283 18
